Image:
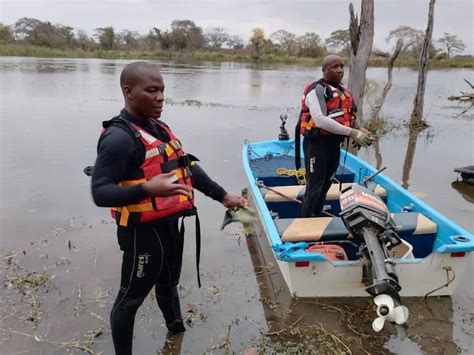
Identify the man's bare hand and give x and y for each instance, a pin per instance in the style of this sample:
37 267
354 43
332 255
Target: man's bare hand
162 185
231 200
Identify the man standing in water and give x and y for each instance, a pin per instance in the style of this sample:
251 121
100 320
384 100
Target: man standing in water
327 117
142 173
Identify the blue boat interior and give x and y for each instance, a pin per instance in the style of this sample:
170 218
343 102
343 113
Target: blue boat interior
273 164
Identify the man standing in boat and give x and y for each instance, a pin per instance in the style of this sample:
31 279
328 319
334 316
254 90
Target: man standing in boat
327 117
142 173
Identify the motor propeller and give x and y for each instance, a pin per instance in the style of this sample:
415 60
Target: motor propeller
387 311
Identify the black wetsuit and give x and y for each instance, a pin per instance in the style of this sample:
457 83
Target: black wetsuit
321 158
152 252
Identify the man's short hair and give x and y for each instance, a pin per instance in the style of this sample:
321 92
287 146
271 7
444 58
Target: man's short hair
329 60
131 72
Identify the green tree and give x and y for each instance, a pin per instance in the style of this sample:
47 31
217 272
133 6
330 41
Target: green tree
340 40
186 35
106 37
451 44
6 34
411 37
286 40
83 40
128 39
36 32
309 45
27 29
165 40
257 40
235 42
152 39
412 41
63 37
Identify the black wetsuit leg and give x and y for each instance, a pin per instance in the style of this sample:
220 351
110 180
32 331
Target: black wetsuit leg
152 256
166 287
321 158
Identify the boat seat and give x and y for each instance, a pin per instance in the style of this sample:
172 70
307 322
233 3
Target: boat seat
333 228
297 192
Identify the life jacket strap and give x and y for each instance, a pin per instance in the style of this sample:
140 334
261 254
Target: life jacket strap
198 240
184 161
298 143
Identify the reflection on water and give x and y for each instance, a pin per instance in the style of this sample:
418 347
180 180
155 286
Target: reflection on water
172 345
110 68
378 154
409 155
465 189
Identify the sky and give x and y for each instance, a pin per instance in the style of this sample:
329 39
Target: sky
241 16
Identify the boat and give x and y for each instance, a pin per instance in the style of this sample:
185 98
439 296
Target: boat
467 173
434 250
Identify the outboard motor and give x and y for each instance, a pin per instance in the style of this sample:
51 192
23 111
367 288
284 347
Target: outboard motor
283 136
368 219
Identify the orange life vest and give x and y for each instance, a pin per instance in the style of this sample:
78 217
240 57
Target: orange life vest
160 157
340 107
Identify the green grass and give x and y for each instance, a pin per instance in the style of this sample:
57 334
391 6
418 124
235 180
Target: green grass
45 52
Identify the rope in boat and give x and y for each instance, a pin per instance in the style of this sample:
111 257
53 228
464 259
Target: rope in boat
300 174
448 269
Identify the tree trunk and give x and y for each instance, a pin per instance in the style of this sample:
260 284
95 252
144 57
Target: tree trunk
378 154
362 37
417 114
374 115
410 154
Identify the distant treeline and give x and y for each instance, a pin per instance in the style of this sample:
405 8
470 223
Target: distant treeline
30 36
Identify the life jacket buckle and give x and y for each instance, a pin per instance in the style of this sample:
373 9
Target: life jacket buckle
161 148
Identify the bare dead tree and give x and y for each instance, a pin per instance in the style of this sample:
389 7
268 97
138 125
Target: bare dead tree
469 83
374 115
417 114
465 97
378 154
409 156
362 37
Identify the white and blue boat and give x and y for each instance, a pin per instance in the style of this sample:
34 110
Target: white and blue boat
436 249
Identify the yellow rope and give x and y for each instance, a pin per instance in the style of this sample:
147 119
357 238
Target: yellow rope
300 174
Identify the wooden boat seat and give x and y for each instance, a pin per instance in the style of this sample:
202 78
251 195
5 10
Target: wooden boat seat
297 192
329 228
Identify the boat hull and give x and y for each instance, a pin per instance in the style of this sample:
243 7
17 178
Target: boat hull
418 277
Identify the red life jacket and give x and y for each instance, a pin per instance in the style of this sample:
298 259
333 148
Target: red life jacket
160 157
340 106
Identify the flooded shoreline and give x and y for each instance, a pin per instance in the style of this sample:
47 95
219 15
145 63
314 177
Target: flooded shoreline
61 261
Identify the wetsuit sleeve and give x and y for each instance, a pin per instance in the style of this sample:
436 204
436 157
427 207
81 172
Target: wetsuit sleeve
117 153
206 185
317 108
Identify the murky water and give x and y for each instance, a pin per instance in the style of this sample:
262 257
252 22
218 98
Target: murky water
60 257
